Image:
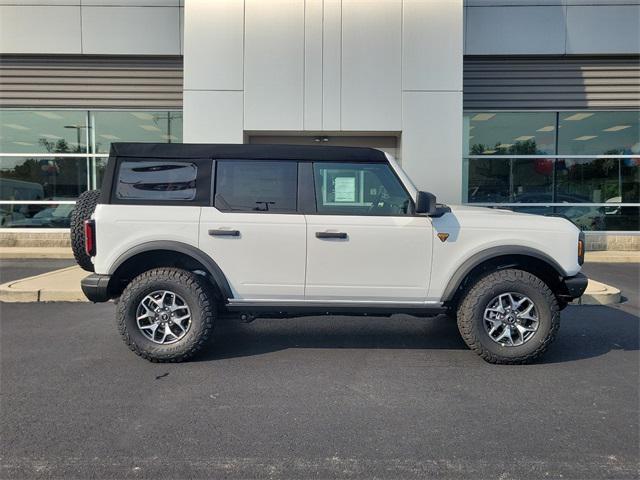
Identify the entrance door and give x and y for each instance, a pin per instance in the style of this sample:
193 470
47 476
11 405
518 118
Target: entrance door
364 243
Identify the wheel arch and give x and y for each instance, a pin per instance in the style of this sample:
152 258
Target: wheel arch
166 254
502 257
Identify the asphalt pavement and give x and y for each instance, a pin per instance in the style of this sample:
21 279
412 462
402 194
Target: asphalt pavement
319 397
15 269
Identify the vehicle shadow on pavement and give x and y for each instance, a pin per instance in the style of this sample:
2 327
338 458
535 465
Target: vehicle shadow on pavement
592 331
585 332
234 339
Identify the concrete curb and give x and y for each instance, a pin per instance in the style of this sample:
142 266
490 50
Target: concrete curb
598 293
64 286
56 286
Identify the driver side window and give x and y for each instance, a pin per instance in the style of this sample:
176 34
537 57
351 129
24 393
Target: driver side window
359 189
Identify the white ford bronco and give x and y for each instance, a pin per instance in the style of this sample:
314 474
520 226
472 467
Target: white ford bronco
182 235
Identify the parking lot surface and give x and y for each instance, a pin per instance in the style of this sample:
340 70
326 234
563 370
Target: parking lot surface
319 397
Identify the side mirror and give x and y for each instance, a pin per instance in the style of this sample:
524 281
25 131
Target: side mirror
426 203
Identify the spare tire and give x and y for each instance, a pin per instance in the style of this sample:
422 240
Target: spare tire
85 205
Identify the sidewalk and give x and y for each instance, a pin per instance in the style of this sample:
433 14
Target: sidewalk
57 286
64 286
35 252
612 257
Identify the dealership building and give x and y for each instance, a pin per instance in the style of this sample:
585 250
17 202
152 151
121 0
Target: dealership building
532 105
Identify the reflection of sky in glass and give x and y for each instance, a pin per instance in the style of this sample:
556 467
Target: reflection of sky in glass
44 131
139 126
595 133
579 133
510 133
27 131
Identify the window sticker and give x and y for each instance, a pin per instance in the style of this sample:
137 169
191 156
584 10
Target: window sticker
345 189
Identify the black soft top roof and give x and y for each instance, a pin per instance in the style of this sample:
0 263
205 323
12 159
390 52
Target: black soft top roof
242 151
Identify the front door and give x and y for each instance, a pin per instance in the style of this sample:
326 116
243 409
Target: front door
364 243
254 231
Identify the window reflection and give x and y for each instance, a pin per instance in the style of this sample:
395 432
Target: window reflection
46 131
35 215
61 178
599 133
135 126
510 133
42 178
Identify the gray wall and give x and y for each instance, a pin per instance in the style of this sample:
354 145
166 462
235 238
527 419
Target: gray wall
346 66
138 27
551 27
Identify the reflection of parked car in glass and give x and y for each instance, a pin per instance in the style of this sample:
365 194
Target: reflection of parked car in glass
587 217
50 217
615 210
11 189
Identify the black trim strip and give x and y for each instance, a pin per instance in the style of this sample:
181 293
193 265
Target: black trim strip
494 252
321 308
209 263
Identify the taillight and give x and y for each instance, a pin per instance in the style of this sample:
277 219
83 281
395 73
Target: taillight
90 237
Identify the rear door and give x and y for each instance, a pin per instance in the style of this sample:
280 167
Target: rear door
363 242
254 231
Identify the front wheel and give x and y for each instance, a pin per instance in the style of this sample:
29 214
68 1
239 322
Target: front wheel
166 314
509 317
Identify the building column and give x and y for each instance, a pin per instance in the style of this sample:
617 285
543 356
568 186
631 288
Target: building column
432 61
213 71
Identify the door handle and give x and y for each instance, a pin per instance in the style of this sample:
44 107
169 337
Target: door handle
342 235
224 233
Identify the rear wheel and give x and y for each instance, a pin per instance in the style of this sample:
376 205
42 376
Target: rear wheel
166 314
509 317
84 208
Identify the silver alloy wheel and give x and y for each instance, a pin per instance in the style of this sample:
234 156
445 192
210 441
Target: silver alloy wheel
163 317
511 319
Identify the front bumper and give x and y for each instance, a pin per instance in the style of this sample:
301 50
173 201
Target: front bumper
96 287
574 287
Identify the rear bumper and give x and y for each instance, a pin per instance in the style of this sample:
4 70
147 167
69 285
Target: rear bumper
574 287
96 287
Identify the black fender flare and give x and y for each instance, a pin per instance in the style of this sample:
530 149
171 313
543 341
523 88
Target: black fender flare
209 263
493 252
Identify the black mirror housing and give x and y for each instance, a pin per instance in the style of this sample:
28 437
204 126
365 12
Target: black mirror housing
426 203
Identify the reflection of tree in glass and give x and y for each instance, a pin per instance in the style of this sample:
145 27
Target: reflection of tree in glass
60 177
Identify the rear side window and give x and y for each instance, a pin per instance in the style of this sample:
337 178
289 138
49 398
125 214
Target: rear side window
165 180
256 186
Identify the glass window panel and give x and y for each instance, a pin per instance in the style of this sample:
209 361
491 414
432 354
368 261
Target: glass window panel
630 180
510 180
359 189
164 180
509 133
256 186
599 133
42 178
43 131
488 180
588 180
35 215
135 126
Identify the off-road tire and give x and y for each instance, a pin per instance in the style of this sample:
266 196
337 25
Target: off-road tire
198 296
471 310
84 208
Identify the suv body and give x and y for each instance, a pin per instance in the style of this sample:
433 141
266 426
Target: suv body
278 230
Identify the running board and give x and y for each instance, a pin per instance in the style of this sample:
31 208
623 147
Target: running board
289 309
